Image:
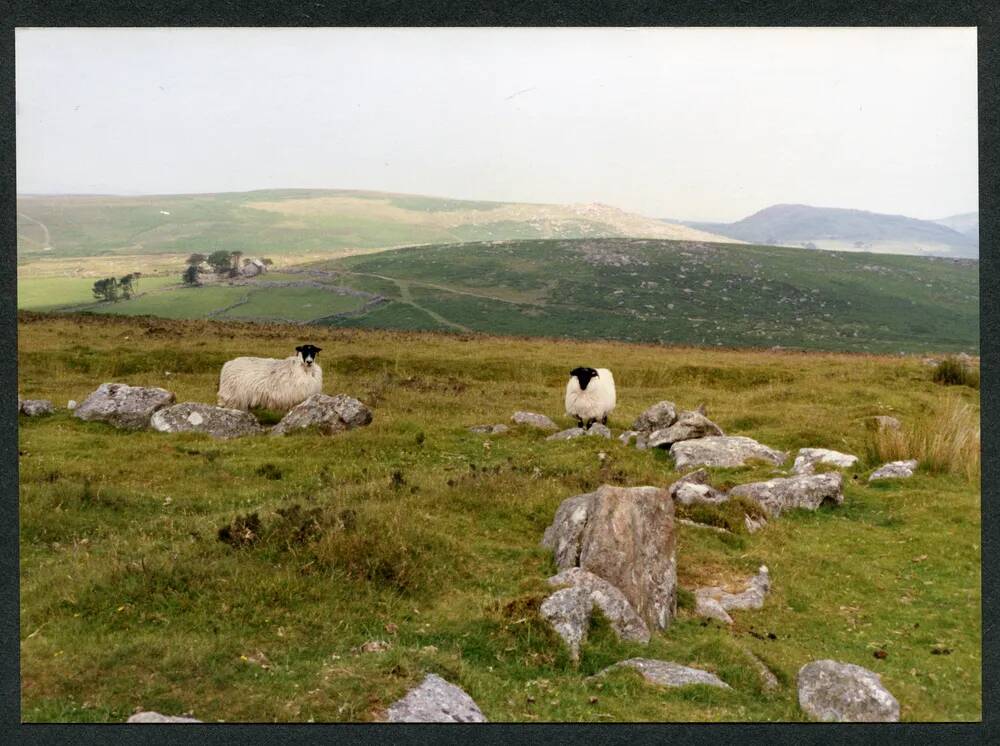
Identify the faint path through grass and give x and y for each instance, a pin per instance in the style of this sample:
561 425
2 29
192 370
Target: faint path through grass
406 297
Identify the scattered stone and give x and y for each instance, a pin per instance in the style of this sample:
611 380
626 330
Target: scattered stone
894 470
842 692
568 611
435 701
694 488
624 535
808 458
754 524
534 420
489 429
660 415
767 678
600 430
689 426
331 414
641 439
35 407
723 451
616 608
375 646
218 422
715 602
670 674
807 491
573 432
155 717
71 405
124 406
884 422
695 524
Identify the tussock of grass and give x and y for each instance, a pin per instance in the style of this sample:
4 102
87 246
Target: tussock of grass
946 440
953 372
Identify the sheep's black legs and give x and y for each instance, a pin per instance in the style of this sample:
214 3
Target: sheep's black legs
590 422
579 421
604 420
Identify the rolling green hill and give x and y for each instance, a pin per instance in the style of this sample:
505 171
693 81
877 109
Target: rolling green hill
675 292
298 221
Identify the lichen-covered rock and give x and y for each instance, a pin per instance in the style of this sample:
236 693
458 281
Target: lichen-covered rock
694 488
489 429
641 439
843 692
124 406
563 536
722 451
689 426
715 602
617 610
601 431
808 458
568 611
573 432
533 419
666 673
35 407
331 414
218 422
807 491
894 470
435 701
628 539
155 717
660 415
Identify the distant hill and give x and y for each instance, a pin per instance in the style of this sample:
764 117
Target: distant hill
967 224
302 221
846 230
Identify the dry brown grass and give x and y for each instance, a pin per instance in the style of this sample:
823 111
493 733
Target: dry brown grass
945 440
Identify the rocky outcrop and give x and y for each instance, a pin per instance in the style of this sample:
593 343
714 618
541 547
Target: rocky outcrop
694 488
331 414
689 426
568 611
845 693
641 439
715 602
723 451
124 406
563 536
155 717
807 491
218 422
612 602
435 701
573 432
808 458
601 431
35 407
489 429
894 470
533 420
666 673
660 415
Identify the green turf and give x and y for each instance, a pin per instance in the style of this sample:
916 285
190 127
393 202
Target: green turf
46 293
293 304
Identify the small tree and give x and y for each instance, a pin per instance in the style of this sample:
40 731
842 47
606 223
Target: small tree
106 290
195 259
127 285
190 276
220 261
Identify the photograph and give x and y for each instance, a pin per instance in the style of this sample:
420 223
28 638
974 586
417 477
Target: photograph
497 374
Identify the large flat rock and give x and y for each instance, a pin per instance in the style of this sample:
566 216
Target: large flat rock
722 451
843 692
435 701
667 673
196 417
124 406
807 491
331 414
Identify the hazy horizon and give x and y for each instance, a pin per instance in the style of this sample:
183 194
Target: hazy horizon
689 124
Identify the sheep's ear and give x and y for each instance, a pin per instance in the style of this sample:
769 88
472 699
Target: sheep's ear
318 349
299 348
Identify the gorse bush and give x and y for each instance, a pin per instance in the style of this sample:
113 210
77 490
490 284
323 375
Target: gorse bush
953 372
946 440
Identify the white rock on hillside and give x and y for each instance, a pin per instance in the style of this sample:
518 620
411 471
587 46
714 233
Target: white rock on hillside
155 717
666 673
807 491
218 422
617 610
534 420
843 692
331 414
124 406
435 701
808 458
715 602
894 470
722 451
660 415
689 426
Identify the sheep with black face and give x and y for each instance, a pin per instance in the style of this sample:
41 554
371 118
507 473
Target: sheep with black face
247 382
590 395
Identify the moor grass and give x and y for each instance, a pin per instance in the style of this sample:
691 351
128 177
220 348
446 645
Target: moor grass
416 532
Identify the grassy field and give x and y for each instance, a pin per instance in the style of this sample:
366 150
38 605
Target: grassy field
48 293
681 293
416 532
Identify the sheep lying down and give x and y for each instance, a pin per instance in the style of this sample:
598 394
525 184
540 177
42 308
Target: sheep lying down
270 383
590 395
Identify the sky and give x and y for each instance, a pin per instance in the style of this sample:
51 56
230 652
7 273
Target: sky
695 124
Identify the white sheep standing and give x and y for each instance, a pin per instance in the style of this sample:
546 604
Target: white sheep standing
590 395
266 382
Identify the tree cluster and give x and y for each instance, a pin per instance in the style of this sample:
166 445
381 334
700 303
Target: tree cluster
222 263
